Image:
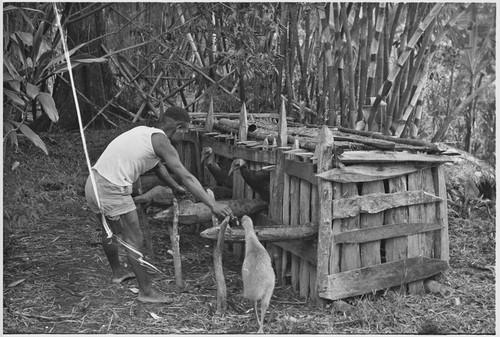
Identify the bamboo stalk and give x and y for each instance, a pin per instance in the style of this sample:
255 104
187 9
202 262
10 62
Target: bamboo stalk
363 63
350 66
403 58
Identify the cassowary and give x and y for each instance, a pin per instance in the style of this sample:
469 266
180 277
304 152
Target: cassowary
258 180
257 272
221 175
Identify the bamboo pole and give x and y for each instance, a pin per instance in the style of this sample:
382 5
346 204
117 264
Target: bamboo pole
350 66
363 63
403 58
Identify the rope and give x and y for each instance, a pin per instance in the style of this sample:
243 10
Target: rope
109 233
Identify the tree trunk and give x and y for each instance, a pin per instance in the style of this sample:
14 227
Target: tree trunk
94 80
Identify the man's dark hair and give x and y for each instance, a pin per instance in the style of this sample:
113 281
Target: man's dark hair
176 113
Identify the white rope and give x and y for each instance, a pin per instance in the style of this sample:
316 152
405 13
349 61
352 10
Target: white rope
109 233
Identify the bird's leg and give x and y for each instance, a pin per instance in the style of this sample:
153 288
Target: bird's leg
263 307
257 316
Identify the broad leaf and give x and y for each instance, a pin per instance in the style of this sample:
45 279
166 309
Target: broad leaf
61 57
16 85
12 136
33 137
16 99
48 105
27 38
32 90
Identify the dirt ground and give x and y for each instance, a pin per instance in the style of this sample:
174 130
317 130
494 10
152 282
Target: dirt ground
57 280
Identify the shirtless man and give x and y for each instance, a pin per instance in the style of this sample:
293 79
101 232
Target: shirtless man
127 157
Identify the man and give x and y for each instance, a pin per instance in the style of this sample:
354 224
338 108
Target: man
127 157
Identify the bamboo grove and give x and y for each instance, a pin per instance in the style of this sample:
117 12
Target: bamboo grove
362 66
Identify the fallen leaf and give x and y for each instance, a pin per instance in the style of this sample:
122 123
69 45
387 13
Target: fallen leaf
15 165
134 290
15 283
155 316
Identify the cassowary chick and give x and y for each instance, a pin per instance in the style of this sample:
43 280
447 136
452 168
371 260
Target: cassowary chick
259 181
221 174
257 272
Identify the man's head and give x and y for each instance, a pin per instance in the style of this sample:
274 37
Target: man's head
174 121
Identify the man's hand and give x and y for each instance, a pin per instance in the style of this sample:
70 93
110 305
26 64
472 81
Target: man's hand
180 190
222 210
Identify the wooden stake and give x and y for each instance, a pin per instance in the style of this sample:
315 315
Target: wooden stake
282 126
174 239
242 135
218 265
210 120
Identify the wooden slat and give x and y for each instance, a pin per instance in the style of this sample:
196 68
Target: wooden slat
442 214
416 242
429 213
352 157
364 173
396 248
375 203
304 278
379 277
230 151
301 250
370 251
304 171
385 232
350 257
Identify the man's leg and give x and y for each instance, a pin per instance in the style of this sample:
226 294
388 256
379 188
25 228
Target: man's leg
133 236
111 250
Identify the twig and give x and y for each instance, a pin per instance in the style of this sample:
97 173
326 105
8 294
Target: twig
66 289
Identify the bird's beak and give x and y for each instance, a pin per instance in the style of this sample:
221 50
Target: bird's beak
204 156
234 167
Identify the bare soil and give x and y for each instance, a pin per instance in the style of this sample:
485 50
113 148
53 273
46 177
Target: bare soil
57 280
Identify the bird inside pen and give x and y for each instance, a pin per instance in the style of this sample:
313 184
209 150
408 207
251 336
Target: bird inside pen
257 272
220 171
259 180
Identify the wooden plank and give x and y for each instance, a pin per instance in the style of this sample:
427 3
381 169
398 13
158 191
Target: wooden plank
304 278
368 279
304 171
442 214
195 213
429 215
364 173
352 157
232 151
385 232
266 234
313 287
375 203
416 242
314 204
277 188
396 248
284 266
350 256
294 268
282 126
370 251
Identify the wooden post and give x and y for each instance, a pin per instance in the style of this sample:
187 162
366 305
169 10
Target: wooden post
429 213
282 126
324 155
210 120
370 251
218 266
174 239
416 242
242 135
442 214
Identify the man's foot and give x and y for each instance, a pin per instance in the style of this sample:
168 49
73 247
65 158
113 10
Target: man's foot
154 297
117 279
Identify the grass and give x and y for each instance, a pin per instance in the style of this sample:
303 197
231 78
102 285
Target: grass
56 278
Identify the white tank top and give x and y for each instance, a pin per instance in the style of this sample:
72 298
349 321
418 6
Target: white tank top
128 156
